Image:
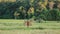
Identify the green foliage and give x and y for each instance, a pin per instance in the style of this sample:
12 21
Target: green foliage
27 9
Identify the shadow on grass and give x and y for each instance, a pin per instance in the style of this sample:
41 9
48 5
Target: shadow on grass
38 28
20 28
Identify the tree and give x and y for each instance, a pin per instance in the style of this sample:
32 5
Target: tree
16 15
51 4
23 12
30 12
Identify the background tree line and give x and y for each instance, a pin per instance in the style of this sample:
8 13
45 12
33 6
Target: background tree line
37 9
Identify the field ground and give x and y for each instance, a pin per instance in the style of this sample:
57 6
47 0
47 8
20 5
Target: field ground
29 31
10 26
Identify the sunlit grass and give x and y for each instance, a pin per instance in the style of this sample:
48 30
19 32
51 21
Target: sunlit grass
11 24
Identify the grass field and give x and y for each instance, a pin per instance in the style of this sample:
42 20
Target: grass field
11 26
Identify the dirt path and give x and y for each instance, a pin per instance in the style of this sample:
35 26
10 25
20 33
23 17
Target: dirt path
29 31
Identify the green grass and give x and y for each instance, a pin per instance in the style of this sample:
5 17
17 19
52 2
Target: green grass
11 24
